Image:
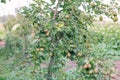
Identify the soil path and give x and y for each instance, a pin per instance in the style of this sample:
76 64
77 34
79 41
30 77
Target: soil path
2 44
117 66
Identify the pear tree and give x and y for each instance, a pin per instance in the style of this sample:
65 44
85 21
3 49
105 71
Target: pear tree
61 33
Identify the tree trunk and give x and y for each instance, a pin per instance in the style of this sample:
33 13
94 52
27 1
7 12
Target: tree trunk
51 63
24 46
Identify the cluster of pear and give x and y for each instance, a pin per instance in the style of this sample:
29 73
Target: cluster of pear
88 66
115 18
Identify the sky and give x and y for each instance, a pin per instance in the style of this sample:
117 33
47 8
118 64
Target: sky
9 7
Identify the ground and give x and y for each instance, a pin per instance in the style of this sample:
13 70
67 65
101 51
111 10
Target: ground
72 64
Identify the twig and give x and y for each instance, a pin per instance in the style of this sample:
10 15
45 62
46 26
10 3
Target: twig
55 12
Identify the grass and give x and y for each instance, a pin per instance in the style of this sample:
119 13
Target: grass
3 67
14 68
111 39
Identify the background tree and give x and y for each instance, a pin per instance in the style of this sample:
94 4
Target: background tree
3 1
